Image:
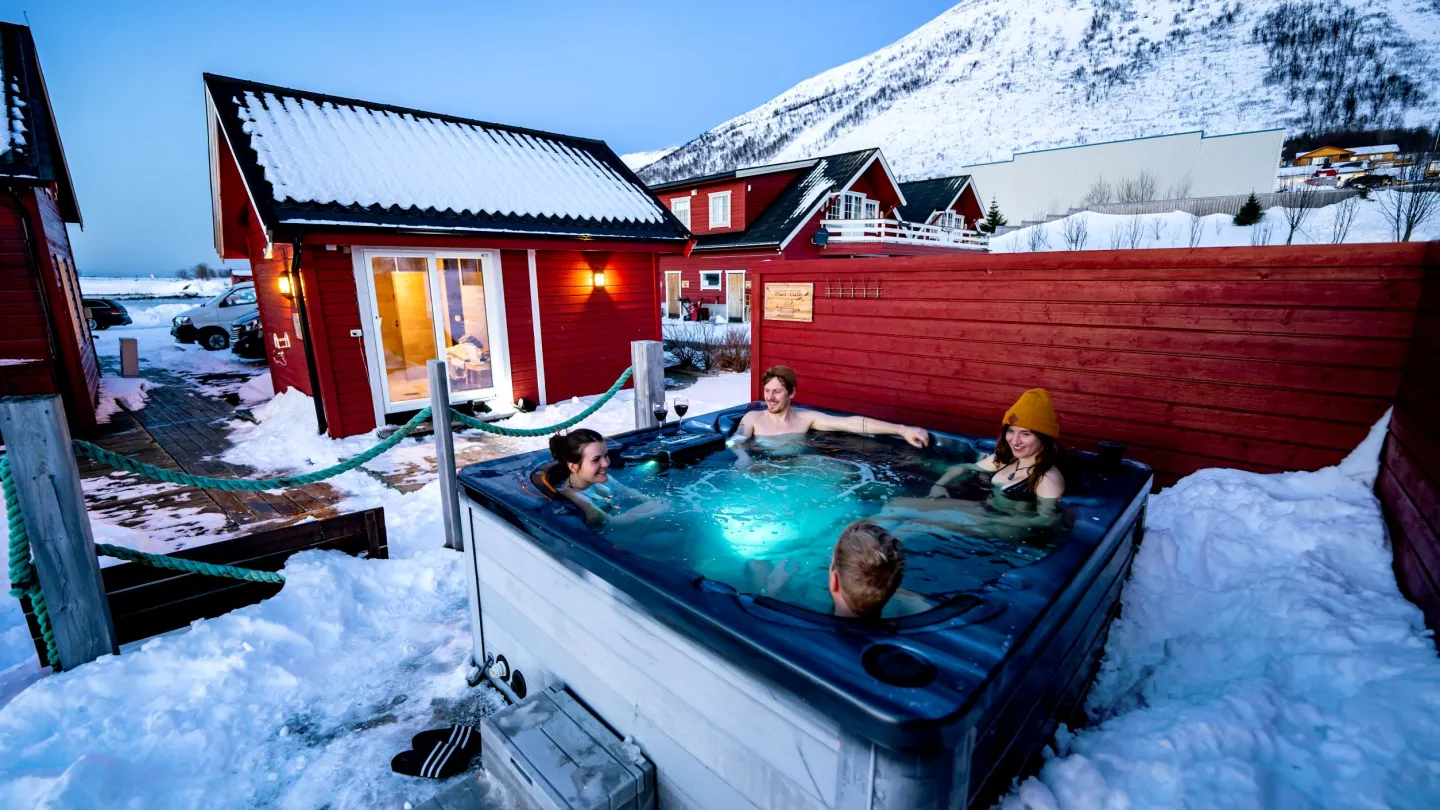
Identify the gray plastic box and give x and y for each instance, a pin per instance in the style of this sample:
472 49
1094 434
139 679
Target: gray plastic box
551 753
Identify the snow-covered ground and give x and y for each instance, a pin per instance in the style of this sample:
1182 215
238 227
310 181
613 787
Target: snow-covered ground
218 371
152 287
1264 658
297 702
1088 230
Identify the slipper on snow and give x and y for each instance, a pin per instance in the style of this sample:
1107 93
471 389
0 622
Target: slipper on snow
466 738
441 762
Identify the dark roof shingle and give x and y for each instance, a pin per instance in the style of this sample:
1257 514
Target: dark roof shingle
925 197
29 140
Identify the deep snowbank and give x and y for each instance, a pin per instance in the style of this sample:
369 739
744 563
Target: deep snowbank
1264 659
153 287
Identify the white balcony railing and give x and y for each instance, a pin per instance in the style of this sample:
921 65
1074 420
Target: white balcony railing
904 233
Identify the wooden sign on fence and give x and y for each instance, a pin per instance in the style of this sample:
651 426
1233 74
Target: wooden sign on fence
790 302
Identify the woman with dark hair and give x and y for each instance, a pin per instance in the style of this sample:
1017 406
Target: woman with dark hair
581 475
1023 466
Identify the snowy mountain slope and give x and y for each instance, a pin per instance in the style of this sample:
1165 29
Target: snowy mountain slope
992 77
639 160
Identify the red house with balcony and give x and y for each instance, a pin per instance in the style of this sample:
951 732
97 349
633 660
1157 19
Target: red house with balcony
951 203
382 237
838 206
45 346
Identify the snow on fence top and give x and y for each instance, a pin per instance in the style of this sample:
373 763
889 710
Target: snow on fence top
321 153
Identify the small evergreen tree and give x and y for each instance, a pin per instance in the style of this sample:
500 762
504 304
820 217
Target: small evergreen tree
1250 212
992 219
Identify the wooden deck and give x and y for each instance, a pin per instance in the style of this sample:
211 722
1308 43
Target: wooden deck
182 428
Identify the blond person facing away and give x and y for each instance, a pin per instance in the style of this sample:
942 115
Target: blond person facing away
1023 464
780 419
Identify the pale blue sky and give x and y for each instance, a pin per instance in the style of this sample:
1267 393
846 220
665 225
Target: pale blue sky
125 81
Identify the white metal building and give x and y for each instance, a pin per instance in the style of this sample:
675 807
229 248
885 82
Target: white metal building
1187 164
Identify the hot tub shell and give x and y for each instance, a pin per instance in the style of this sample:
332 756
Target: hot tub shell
742 703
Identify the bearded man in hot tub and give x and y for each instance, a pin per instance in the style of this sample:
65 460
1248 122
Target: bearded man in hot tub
780 419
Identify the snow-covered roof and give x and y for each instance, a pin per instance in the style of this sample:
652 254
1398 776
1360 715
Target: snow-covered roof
1374 150
925 197
312 159
1295 171
30 146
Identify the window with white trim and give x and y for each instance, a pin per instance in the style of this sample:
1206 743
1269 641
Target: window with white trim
680 207
720 209
853 205
710 280
948 219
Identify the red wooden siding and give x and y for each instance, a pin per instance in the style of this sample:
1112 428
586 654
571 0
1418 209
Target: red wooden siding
762 189
1265 359
1409 482
700 205
40 300
520 323
587 331
26 335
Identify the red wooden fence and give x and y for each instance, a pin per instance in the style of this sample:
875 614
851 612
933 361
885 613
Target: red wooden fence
1409 483
1266 359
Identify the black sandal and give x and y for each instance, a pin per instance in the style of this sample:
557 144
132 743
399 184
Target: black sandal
466 738
441 762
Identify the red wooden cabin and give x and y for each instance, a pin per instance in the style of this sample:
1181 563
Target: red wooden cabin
838 206
945 202
45 346
382 237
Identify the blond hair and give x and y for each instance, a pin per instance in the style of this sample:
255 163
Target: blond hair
869 566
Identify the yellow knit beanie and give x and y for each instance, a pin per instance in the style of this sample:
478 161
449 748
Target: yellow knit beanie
1033 411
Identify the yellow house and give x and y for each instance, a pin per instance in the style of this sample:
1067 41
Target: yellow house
1324 155
1385 151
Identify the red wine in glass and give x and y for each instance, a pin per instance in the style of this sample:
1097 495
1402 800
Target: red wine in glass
659 412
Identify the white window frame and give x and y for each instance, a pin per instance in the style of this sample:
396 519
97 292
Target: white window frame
715 198
851 205
719 279
503 390
675 202
948 219
871 207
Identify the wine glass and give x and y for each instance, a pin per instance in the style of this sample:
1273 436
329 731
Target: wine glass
681 405
659 411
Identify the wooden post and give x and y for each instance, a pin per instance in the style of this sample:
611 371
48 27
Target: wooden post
129 357
445 452
647 358
48 485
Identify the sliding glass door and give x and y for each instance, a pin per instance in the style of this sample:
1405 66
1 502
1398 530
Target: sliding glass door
428 306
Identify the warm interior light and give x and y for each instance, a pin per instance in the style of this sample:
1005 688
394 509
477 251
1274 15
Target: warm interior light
287 287
599 278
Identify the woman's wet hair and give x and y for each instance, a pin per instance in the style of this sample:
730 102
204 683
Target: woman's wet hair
869 566
567 449
1047 458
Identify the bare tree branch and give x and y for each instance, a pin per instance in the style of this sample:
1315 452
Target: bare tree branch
1345 212
1299 202
1076 232
1414 202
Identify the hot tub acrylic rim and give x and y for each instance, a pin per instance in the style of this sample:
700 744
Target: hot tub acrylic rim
871 712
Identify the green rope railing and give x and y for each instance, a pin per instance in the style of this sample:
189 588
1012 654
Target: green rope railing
25 581
188 566
120 462
500 430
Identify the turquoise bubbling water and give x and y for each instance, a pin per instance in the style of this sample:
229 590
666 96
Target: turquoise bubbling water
769 528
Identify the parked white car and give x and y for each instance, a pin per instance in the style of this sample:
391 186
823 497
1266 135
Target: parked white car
209 323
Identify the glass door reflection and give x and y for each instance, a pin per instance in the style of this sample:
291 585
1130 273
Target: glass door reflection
407 331
465 335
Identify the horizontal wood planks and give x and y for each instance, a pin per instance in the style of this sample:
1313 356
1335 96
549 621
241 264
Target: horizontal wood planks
22 308
587 330
1265 359
1409 482
80 367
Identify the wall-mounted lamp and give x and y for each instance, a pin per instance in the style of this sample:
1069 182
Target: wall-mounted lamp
821 238
599 278
286 285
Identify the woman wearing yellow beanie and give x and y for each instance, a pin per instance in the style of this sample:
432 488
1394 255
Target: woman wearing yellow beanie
1023 464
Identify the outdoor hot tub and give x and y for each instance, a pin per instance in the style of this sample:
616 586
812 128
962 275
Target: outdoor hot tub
703 631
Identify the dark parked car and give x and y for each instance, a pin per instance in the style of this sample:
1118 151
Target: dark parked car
105 313
247 339
1371 181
